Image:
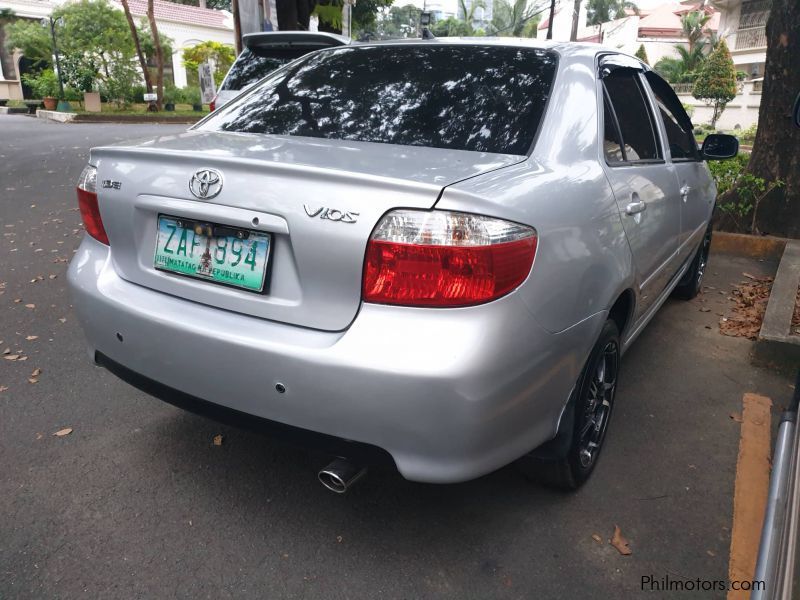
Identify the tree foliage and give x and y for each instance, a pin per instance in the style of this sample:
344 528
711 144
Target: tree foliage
219 55
400 22
602 11
365 16
716 82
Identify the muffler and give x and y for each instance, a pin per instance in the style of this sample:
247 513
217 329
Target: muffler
340 475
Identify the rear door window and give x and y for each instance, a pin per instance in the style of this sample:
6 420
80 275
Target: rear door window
465 97
628 103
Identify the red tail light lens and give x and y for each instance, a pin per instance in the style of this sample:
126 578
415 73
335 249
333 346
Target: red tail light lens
87 202
445 259
213 104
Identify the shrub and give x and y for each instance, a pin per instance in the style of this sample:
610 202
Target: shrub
121 84
44 84
738 192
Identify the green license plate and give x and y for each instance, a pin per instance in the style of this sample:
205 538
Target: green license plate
220 254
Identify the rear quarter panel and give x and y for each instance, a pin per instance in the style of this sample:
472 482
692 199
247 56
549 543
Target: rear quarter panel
583 261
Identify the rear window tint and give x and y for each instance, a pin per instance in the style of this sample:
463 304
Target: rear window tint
479 98
254 65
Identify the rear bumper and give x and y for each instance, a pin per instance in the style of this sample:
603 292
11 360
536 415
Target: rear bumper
449 394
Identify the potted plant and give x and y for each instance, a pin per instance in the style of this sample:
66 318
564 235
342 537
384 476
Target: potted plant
45 86
192 96
170 98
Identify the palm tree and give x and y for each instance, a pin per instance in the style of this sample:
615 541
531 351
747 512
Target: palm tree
684 68
602 11
510 19
692 24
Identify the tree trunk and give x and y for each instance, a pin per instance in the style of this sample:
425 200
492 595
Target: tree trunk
776 149
576 11
142 59
550 19
237 26
294 14
159 53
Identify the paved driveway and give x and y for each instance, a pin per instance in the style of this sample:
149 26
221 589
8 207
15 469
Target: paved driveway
137 502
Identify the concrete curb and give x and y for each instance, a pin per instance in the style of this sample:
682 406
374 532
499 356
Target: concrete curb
776 346
13 110
101 118
751 246
53 115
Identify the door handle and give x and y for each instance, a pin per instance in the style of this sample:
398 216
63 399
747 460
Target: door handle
685 192
635 207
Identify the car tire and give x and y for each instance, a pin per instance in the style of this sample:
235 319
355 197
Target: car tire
567 461
692 281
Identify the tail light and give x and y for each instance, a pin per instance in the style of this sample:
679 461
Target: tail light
445 259
87 202
213 104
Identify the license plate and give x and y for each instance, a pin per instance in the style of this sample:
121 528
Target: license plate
215 253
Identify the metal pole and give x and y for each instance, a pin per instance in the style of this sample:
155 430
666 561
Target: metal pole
550 20
55 51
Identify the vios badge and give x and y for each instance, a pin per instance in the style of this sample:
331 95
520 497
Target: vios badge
206 183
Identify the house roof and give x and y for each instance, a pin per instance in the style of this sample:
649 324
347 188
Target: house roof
666 19
183 13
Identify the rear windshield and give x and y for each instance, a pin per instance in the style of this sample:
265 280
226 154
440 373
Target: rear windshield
256 64
464 97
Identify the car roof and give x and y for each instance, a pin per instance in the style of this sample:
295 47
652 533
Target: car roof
572 49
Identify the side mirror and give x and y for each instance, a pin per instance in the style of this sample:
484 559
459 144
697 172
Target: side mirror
719 146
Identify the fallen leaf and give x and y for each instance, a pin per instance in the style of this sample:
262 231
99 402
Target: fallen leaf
704 309
52 276
23 358
30 338
36 372
597 538
218 440
11 356
62 320
7 351
39 436
17 300
339 539
620 543
736 417
711 553
63 432
3 388
33 380
31 306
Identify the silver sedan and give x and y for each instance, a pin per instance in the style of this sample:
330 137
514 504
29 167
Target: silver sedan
430 253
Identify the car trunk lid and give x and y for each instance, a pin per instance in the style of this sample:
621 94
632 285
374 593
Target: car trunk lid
318 199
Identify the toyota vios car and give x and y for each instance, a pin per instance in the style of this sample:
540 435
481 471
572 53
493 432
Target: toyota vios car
432 252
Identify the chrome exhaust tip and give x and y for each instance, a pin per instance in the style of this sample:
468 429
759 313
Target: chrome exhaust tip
340 475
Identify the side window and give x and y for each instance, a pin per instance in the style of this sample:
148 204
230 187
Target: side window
680 138
625 93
